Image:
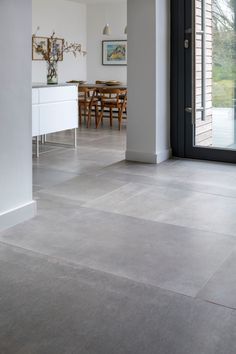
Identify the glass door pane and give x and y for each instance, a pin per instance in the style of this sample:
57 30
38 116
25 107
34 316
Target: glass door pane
214 69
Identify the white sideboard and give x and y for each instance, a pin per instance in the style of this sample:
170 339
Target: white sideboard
54 109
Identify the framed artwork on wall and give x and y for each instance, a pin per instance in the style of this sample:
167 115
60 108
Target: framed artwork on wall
39 45
55 47
114 52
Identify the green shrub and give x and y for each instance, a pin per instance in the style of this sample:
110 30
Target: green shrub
223 93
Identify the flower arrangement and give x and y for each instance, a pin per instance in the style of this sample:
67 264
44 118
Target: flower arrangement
54 52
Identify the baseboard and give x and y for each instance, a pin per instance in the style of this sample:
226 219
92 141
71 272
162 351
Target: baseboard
164 155
17 215
148 158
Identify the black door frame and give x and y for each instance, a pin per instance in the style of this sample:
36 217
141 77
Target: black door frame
181 90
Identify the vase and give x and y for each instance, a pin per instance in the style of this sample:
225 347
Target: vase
52 74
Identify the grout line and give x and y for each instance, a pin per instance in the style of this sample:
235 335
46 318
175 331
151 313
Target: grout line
213 275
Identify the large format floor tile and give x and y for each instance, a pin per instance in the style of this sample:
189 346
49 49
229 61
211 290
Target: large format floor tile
221 288
171 257
122 257
85 187
45 177
177 206
167 175
51 307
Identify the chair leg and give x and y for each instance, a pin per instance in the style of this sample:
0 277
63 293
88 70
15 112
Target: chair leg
96 115
89 118
85 113
120 116
111 117
100 117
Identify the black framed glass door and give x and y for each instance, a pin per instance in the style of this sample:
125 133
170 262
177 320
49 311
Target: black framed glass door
204 79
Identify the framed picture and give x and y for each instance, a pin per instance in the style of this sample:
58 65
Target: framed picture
55 46
114 52
39 45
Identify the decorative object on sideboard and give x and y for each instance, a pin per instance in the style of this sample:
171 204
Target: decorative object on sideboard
114 52
52 51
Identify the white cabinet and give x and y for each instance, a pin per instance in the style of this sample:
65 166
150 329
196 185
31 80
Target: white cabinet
54 109
35 121
55 117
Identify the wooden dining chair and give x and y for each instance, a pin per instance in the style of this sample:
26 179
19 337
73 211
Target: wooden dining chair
87 102
113 99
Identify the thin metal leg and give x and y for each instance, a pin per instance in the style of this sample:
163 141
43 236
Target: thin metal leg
37 146
43 139
75 137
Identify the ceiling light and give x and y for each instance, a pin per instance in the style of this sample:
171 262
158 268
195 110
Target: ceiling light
106 30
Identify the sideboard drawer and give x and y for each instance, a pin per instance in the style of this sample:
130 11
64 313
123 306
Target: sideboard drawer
58 94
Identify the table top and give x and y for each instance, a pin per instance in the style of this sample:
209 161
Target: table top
122 86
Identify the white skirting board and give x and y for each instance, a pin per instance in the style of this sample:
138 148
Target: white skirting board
148 158
18 215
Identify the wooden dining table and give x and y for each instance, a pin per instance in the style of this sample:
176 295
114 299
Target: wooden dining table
98 86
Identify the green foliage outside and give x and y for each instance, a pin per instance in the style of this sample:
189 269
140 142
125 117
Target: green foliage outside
223 68
224 53
223 93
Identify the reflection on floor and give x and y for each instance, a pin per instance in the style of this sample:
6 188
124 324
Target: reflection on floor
122 257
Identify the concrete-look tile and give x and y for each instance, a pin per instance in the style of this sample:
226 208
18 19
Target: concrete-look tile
47 177
204 212
51 307
105 157
221 288
69 165
218 184
85 188
53 207
195 171
200 176
117 200
142 200
141 169
174 258
110 142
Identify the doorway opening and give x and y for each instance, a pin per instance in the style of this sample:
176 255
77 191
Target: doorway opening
82 22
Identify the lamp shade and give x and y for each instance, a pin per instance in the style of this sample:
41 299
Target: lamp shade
106 30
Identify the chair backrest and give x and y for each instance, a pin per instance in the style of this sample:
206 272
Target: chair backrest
116 93
86 93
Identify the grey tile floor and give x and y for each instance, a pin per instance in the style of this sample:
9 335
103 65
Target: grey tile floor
122 257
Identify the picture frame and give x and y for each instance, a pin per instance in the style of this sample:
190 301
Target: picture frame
114 52
39 42
56 45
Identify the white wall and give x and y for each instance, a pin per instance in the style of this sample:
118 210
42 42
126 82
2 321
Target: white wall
69 20
148 135
16 202
163 36
98 15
